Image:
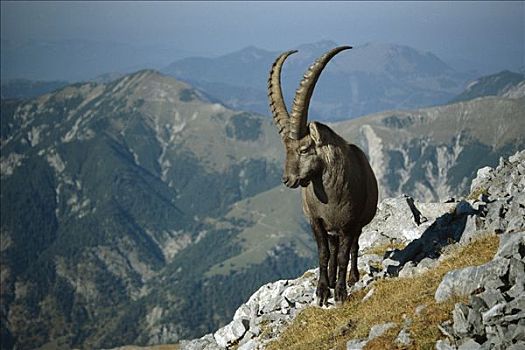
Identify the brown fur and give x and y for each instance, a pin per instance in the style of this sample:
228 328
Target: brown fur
339 195
339 188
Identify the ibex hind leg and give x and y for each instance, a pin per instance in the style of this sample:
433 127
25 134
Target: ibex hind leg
333 245
354 272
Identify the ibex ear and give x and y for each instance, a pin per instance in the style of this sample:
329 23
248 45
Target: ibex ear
315 133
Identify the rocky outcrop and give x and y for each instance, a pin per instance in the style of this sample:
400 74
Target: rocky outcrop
263 316
494 317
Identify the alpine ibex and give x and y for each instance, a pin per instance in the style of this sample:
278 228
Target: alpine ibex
339 188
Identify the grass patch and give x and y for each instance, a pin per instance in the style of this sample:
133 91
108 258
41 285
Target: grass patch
393 300
381 249
477 192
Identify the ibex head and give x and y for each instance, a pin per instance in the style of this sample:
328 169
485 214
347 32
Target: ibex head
301 140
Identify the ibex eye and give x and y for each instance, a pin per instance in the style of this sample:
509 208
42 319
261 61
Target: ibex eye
304 150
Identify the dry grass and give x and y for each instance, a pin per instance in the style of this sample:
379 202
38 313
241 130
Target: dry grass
151 347
477 192
393 300
381 249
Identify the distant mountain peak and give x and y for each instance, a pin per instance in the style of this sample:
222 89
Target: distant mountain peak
504 83
250 53
146 73
324 44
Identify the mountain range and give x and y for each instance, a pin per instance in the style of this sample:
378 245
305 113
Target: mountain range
504 84
369 78
143 211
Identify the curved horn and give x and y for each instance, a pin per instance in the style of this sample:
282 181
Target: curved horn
275 95
304 93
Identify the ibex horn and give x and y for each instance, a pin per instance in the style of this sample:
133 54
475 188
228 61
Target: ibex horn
304 93
275 95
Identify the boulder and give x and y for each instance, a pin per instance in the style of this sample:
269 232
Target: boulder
401 219
465 281
356 344
230 333
403 338
379 329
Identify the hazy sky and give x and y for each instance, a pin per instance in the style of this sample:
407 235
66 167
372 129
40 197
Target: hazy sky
481 30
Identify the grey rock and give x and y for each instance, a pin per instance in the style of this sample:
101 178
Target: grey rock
467 280
230 333
475 322
516 223
213 346
517 346
244 313
510 245
356 344
461 326
517 289
482 176
249 345
470 232
444 345
491 297
294 293
408 270
272 304
403 338
206 342
255 330
493 313
390 262
446 330
401 219
477 303
519 197
369 262
517 157
516 305
519 332
427 263
379 329
469 344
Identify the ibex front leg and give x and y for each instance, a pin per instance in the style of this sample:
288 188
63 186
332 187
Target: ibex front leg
343 256
333 245
354 250
321 237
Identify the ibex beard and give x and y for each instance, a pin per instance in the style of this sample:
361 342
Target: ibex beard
338 186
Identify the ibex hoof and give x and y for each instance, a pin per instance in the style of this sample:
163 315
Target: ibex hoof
353 279
340 293
323 294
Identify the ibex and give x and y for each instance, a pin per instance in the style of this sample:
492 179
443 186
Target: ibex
339 188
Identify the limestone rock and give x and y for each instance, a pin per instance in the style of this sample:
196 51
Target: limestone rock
356 344
379 329
467 280
230 333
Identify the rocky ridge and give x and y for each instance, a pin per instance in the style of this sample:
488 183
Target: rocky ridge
494 317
